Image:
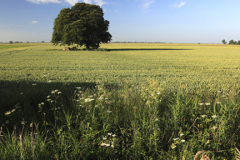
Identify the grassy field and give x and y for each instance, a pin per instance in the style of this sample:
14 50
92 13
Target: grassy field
160 101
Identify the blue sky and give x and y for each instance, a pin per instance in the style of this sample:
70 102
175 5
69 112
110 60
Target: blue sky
176 21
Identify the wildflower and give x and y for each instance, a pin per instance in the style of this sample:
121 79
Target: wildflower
52 101
89 100
52 92
214 127
218 102
42 103
77 100
34 84
173 146
207 104
78 88
156 119
112 146
203 116
114 135
48 96
101 97
109 111
8 113
23 122
59 92
58 107
181 135
91 96
201 104
109 134
175 139
104 138
158 93
103 144
182 140
13 110
45 75
107 145
214 116
21 93
7 121
96 106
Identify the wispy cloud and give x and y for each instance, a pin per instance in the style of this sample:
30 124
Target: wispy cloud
146 4
34 21
72 2
100 2
44 1
176 5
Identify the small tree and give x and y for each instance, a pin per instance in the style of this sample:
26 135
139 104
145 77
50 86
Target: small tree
238 43
42 41
231 41
83 24
11 42
224 42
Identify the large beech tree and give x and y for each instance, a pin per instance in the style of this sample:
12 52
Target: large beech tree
83 24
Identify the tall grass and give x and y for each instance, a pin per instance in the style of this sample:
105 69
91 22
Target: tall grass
131 122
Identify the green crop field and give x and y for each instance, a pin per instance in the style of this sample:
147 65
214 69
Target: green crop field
153 94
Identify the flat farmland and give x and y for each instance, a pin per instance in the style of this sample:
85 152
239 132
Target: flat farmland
186 66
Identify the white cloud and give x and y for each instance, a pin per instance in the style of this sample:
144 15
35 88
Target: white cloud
176 5
100 2
146 4
44 1
72 2
88 1
34 21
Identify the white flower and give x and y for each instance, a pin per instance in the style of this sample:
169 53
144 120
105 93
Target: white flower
42 103
21 93
214 116
104 138
207 104
59 92
182 140
114 135
201 104
214 127
78 88
52 92
107 145
45 75
103 144
112 146
218 102
34 84
48 96
8 113
49 81
109 134
158 93
181 134
89 100
96 106
101 97
175 139
173 146
7 121
109 111
203 116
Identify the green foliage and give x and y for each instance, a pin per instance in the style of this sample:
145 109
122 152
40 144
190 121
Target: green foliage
224 42
83 24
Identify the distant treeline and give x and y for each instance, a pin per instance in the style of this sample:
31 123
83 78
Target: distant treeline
135 42
231 42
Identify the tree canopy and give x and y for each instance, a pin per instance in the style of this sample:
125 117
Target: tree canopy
83 24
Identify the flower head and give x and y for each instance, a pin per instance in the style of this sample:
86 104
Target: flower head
214 116
203 116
